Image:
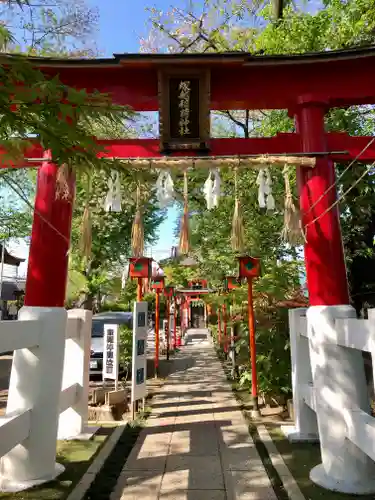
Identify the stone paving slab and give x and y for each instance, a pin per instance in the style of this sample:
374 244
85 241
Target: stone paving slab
196 445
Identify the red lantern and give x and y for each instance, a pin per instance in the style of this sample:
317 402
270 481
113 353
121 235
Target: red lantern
249 267
140 267
231 282
157 283
169 291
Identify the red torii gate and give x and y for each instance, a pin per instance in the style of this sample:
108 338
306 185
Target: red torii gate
306 85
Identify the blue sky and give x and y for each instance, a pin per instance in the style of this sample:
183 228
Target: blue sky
123 22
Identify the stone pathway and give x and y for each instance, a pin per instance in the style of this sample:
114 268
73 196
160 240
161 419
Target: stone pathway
196 445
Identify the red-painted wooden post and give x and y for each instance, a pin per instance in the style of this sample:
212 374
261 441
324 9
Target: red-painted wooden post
157 323
139 290
50 240
219 325
252 347
324 254
225 329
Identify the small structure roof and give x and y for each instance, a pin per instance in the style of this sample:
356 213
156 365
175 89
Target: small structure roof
9 259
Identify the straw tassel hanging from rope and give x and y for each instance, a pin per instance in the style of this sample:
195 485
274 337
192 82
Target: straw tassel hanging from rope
184 231
86 226
138 241
292 230
238 230
63 190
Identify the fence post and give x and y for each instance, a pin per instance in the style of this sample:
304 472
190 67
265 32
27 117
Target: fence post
340 386
305 425
35 384
371 388
72 421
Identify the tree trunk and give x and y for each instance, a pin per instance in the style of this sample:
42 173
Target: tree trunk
278 8
87 302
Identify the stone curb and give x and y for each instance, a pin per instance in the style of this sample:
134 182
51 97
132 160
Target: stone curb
89 476
289 483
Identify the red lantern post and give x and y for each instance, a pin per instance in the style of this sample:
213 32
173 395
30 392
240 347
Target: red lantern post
231 283
250 269
219 325
139 268
175 325
168 292
139 290
183 318
225 330
158 286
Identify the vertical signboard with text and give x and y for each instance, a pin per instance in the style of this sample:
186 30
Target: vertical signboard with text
139 351
111 352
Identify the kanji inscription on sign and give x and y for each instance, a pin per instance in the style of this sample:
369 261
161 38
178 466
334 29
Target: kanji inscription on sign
184 109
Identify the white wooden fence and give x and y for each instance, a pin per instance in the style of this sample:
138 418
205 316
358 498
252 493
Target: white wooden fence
330 395
48 391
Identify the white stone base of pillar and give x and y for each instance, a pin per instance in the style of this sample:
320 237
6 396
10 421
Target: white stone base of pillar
294 436
319 477
7 486
340 386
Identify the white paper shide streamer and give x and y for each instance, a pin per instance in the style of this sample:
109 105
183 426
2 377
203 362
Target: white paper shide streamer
211 189
113 199
165 189
265 197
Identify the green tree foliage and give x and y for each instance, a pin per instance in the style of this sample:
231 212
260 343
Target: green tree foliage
126 350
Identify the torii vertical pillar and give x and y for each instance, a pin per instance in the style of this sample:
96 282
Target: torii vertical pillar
324 254
338 373
50 240
34 462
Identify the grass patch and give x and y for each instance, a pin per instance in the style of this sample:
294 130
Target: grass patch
76 456
300 458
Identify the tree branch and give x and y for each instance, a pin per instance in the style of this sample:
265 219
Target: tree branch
234 120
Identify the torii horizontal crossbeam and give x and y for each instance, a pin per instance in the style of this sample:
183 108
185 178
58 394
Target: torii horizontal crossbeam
340 146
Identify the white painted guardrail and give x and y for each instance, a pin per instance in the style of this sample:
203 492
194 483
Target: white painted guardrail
48 391
330 395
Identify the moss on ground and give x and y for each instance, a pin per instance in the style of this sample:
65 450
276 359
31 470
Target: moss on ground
76 456
300 458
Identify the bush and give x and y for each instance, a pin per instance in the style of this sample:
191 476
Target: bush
126 349
114 306
273 353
